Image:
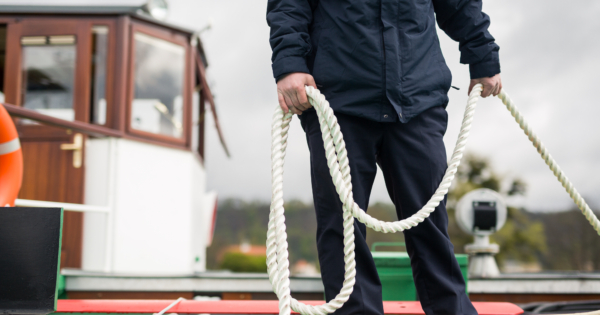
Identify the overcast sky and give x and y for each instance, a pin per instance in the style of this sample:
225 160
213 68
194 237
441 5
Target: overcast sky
550 67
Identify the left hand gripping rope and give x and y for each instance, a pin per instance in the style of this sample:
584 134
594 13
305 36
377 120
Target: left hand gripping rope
337 160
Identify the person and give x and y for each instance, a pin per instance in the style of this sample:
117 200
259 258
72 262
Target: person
379 64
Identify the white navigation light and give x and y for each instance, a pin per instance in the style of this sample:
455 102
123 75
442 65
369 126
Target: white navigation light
157 9
481 212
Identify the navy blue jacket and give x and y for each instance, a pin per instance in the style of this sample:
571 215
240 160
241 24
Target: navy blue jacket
367 54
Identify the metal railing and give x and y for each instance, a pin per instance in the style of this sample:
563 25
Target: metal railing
66 206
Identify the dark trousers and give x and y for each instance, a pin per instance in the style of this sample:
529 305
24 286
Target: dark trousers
413 160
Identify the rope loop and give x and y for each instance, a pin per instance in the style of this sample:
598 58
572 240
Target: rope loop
337 160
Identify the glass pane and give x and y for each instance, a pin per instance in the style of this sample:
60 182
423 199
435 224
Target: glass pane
158 78
48 78
98 88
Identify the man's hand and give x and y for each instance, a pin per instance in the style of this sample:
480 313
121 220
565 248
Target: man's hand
291 92
491 86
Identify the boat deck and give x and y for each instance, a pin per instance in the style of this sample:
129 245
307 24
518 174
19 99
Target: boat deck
514 288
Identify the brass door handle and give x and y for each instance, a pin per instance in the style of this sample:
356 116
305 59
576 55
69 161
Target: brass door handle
77 148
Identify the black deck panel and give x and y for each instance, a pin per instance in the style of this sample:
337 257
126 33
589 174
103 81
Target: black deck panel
30 240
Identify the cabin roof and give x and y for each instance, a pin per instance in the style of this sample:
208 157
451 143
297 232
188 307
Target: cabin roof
132 10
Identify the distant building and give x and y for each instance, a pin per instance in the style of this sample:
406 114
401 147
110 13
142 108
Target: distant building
304 268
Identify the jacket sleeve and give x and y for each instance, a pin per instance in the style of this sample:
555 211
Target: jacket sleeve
289 21
465 23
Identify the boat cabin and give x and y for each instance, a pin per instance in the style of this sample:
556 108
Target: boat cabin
110 106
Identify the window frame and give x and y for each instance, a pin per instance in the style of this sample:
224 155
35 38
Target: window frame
80 26
119 85
175 38
110 93
49 27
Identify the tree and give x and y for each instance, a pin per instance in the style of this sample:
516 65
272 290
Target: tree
237 221
240 262
246 221
575 244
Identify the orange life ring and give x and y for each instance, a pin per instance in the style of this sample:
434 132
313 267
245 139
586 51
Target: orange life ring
11 160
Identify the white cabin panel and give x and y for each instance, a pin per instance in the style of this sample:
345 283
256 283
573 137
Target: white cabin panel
96 192
202 217
157 200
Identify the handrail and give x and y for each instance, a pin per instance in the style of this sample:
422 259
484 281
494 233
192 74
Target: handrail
78 126
65 205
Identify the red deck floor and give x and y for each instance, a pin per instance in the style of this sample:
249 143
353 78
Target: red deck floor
245 307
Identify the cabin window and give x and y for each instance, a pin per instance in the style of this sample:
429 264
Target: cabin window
49 74
2 60
159 73
98 74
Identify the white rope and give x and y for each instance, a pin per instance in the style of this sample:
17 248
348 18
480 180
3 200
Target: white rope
337 160
537 143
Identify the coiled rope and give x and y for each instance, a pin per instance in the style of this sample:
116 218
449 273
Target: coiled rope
337 160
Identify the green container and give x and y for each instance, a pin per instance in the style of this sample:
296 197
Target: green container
395 272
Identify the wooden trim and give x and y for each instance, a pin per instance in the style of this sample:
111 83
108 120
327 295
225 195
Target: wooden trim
7 20
111 104
42 133
47 27
156 142
161 32
121 74
78 126
81 28
158 137
201 124
82 92
209 98
190 86
12 70
173 37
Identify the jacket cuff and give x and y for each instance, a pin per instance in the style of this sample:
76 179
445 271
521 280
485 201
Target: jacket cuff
290 64
484 69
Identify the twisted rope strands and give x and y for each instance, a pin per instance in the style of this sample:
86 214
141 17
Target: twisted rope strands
338 163
562 178
337 160
327 119
277 260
